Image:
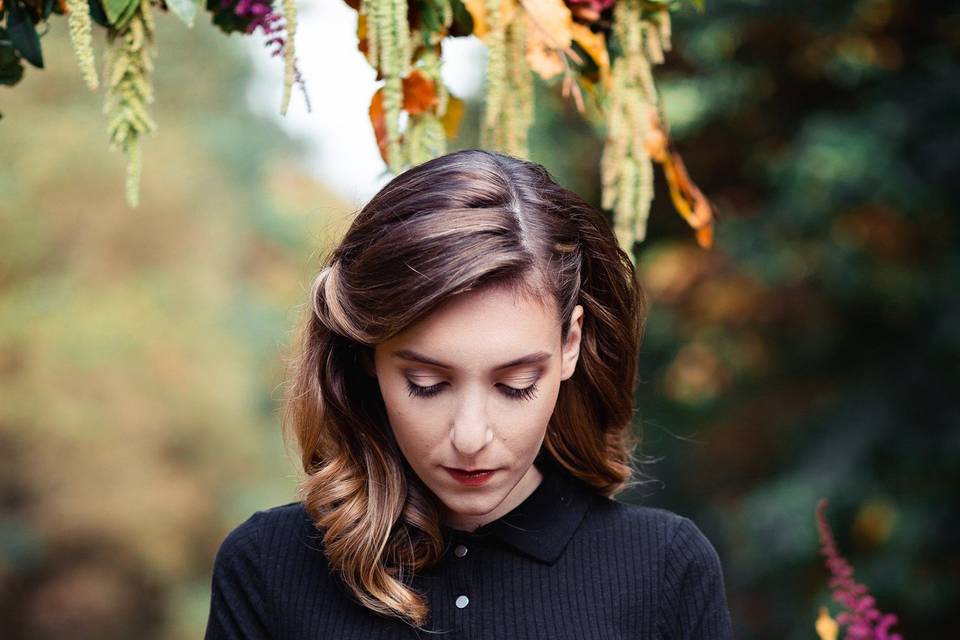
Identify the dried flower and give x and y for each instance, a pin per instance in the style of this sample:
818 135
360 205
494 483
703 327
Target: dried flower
78 19
128 70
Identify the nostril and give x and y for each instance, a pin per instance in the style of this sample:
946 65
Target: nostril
467 441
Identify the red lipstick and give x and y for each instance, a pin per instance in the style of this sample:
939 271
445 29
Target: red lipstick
471 478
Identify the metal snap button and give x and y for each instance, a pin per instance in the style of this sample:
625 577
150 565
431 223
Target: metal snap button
460 551
462 601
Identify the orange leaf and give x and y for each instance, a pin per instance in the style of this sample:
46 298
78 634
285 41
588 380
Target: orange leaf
379 121
419 93
549 31
478 11
451 119
585 13
826 627
595 44
362 33
546 62
552 20
688 200
655 143
705 236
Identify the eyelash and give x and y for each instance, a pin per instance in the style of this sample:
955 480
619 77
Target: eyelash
526 393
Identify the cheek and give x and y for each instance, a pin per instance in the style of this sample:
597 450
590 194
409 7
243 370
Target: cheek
413 423
549 391
525 424
546 411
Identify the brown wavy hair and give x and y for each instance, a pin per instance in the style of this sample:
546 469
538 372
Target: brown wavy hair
457 223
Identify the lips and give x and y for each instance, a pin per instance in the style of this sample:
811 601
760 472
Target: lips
473 478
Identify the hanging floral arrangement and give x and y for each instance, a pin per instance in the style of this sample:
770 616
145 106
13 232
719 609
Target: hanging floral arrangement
602 49
605 49
129 34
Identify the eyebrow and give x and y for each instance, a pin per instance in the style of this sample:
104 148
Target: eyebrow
532 358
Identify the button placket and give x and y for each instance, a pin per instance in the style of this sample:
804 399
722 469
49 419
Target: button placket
464 552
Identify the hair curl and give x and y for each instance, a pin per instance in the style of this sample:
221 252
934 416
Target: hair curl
454 224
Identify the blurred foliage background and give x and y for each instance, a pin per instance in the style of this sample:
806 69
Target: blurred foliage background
812 353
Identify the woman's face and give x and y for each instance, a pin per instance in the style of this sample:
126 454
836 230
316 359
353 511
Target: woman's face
473 386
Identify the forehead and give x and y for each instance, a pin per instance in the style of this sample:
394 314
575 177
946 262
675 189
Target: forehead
482 329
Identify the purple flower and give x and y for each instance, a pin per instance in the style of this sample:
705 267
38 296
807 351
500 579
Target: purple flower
862 618
273 25
261 16
596 5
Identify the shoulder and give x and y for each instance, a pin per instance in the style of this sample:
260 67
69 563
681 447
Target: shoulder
252 561
675 560
271 538
662 541
288 517
677 532
683 563
650 525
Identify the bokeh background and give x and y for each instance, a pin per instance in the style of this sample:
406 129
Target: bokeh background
812 353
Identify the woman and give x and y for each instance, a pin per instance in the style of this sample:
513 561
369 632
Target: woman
462 399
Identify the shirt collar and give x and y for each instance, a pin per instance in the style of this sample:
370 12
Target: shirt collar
541 525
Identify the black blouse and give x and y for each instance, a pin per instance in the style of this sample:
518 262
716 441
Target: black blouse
567 563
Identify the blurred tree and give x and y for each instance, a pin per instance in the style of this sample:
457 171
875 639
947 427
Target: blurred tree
815 352
139 350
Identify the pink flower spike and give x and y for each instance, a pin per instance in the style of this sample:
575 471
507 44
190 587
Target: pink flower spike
862 618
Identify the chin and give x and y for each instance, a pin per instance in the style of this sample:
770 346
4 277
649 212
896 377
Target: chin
476 505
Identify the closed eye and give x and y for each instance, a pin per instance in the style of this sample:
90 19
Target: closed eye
527 393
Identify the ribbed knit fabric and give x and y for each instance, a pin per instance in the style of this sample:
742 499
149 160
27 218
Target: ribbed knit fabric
566 563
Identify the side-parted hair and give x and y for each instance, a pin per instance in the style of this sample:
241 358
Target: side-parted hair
453 224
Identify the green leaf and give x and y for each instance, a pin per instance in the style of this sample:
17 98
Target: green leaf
11 69
226 19
124 18
429 20
23 35
119 9
186 10
97 14
462 20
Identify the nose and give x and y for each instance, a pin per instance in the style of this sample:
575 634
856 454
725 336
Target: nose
471 431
